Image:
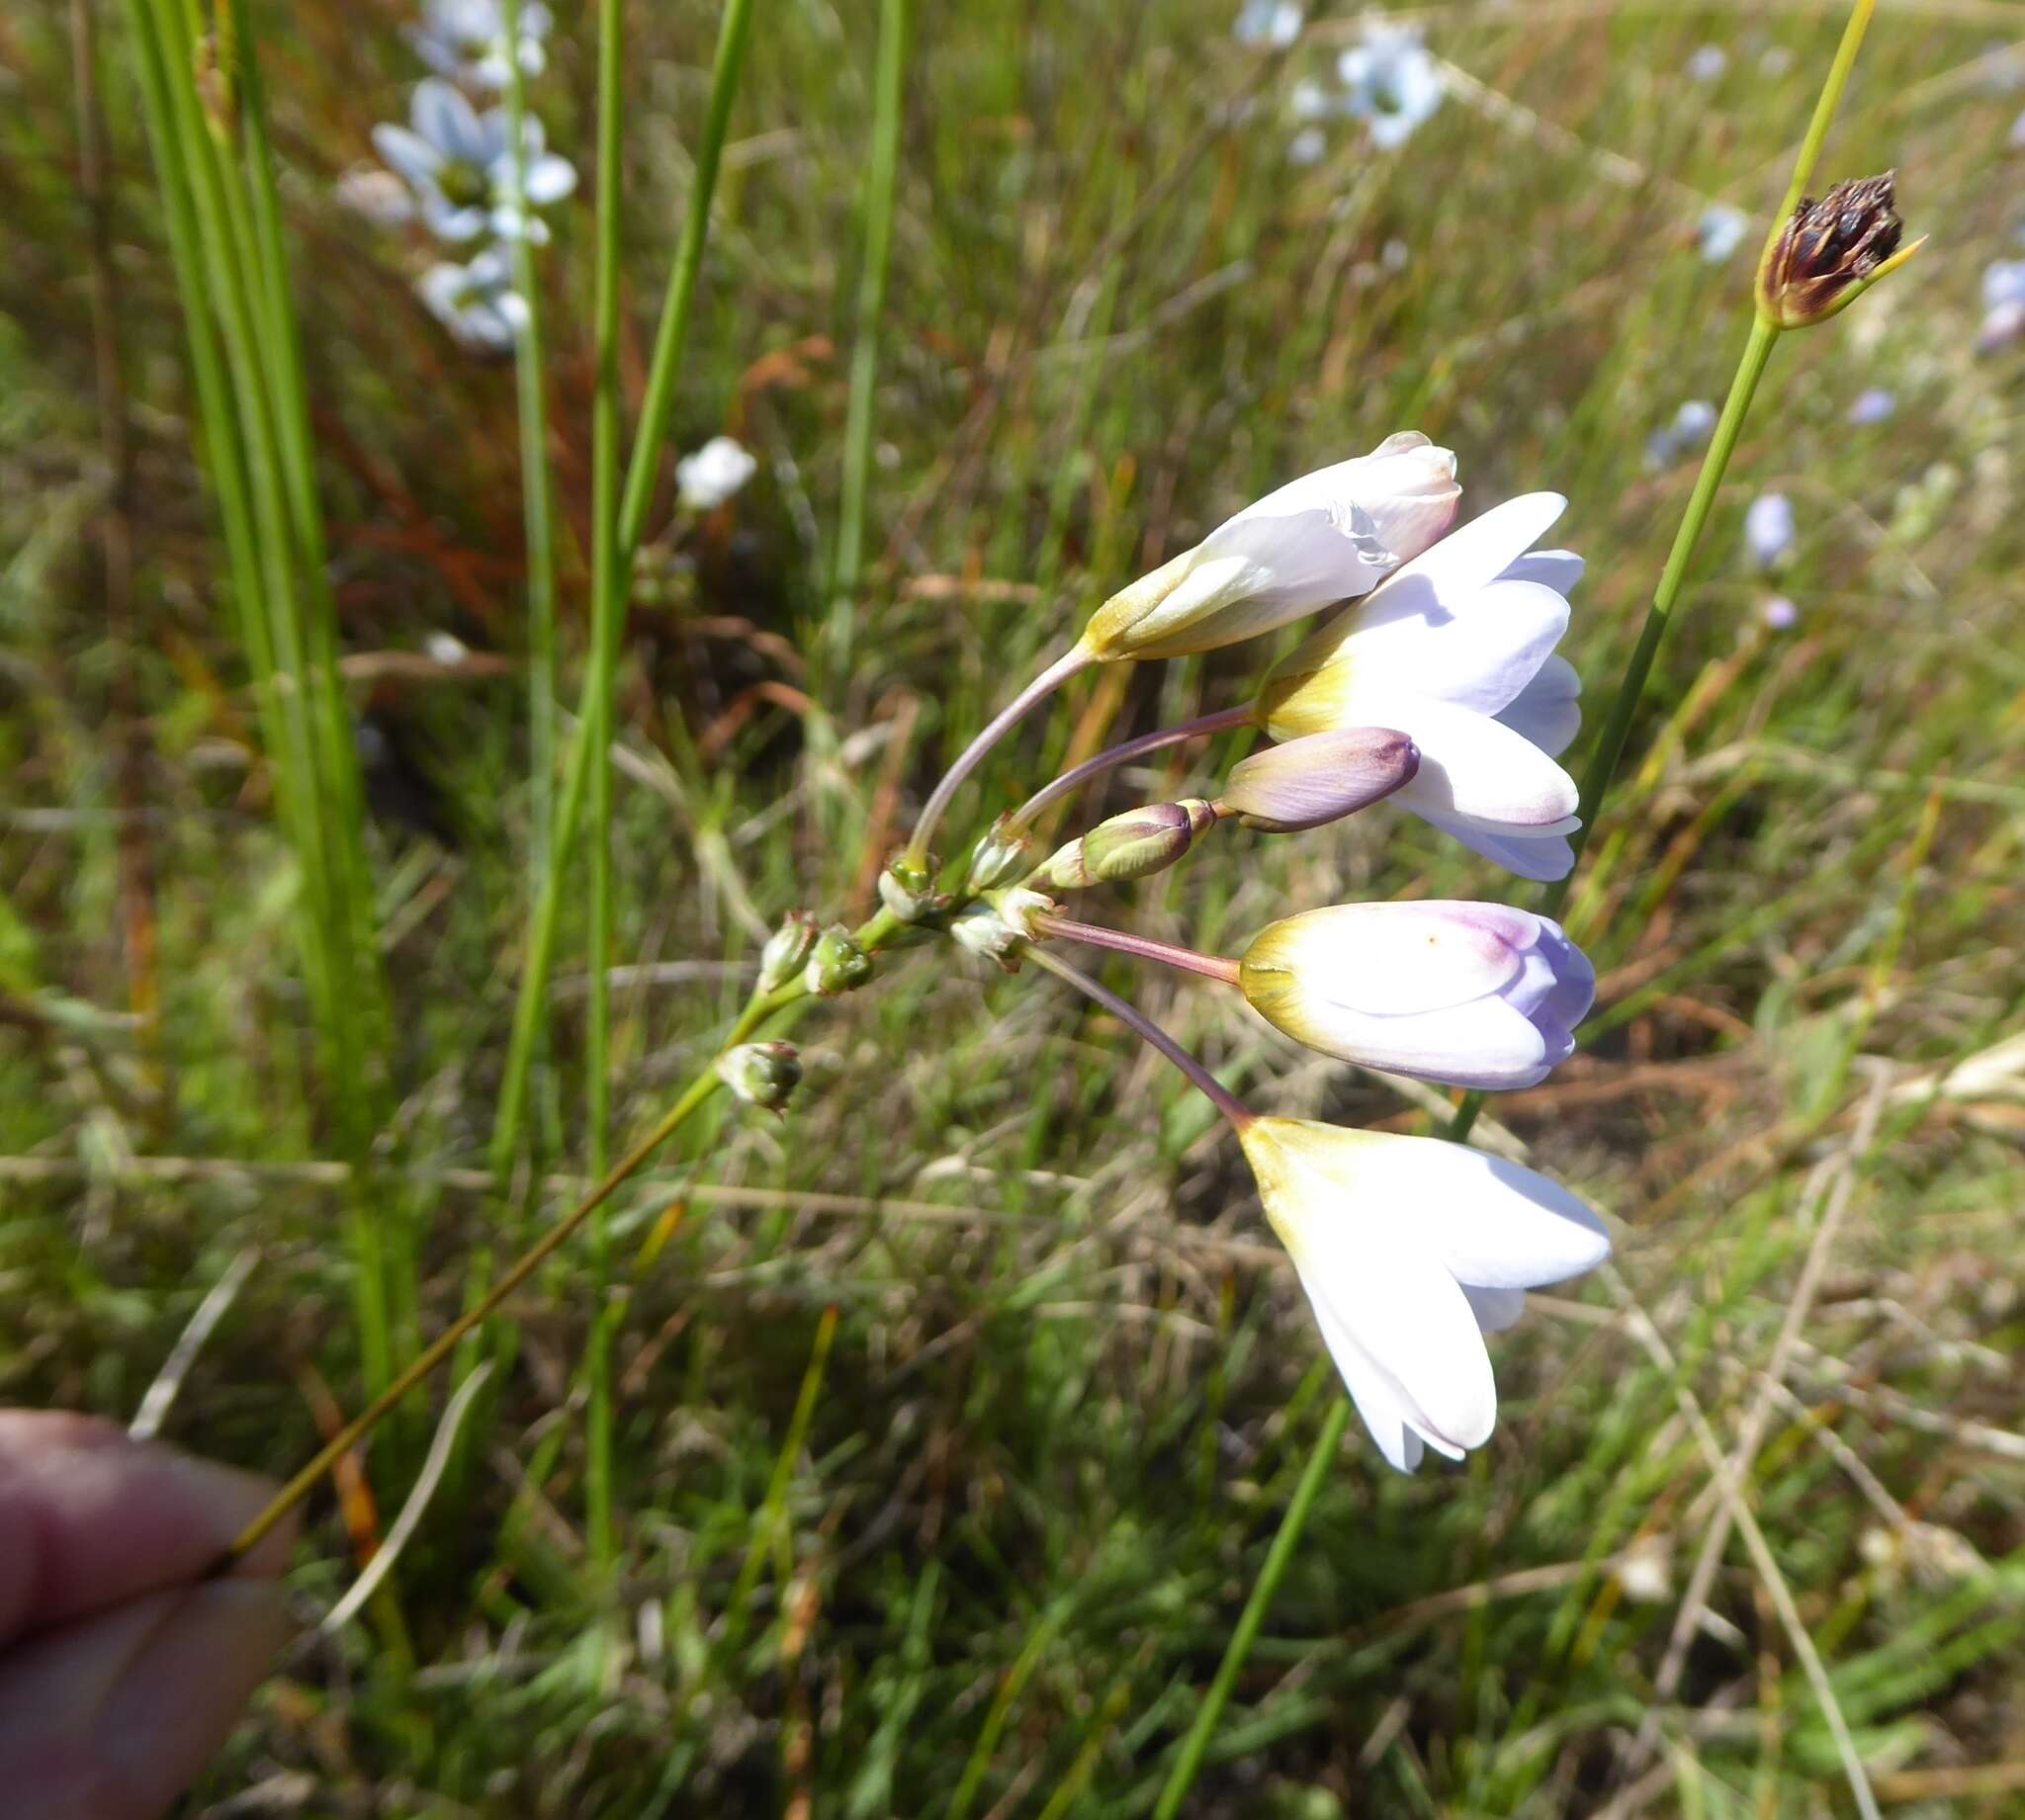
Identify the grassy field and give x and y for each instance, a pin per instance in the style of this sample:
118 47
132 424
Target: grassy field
952 1417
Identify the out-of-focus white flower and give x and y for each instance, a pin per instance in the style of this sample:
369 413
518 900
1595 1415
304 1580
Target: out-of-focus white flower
1769 529
1692 426
1722 231
1709 62
1330 535
1307 146
1411 1250
1391 83
1779 614
447 649
1776 61
1269 22
2004 304
466 40
1309 99
1457 652
706 480
2017 137
1470 995
1873 405
459 165
378 195
475 302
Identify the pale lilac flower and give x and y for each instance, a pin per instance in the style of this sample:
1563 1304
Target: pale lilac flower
1330 535
1277 23
1873 405
1468 995
1313 781
459 165
1722 231
466 40
1411 1250
1779 614
2018 133
475 302
1692 426
1392 84
1457 652
1776 61
1769 529
1708 63
706 480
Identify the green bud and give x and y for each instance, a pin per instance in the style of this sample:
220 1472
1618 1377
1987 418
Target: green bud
786 949
908 889
1133 845
1000 857
836 964
761 1074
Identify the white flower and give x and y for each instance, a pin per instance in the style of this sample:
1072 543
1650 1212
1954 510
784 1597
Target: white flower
1329 536
1873 405
1709 62
1411 1250
475 302
1457 652
1779 614
1769 529
1309 99
2017 137
1393 85
459 165
466 40
1722 231
1268 22
706 480
1307 146
1470 994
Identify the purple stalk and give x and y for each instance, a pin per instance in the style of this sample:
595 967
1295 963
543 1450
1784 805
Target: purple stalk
1140 947
1224 719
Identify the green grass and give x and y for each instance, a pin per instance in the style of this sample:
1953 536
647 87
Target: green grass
978 1547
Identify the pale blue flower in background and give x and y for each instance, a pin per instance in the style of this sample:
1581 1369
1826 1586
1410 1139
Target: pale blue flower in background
1693 424
1309 99
1779 614
706 480
2018 133
1873 405
1776 61
1394 84
466 40
475 302
1769 529
1269 22
1721 231
1307 146
2003 304
1709 62
459 165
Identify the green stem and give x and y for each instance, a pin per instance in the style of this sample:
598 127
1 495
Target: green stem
881 182
1277 1557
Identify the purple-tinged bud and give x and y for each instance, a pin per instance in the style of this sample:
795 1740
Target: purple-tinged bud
786 949
762 1074
1004 855
1832 252
1318 779
1133 845
836 964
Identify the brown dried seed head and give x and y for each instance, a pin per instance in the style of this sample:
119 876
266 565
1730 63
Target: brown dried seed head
1830 250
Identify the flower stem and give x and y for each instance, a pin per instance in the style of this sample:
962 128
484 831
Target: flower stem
1072 662
1189 1762
1144 1027
1224 719
1141 947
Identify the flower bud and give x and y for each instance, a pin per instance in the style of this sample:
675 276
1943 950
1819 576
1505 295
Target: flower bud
761 1074
1002 855
1330 535
1322 778
786 949
1133 845
1831 252
836 964
986 933
908 889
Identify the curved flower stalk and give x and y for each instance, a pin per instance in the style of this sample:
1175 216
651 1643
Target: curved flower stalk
1411 1250
461 167
1470 995
1457 651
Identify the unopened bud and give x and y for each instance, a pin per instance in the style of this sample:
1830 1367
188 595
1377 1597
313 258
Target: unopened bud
1319 778
908 889
1002 855
761 1074
986 933
836 964
1831 252
786 949
1133 845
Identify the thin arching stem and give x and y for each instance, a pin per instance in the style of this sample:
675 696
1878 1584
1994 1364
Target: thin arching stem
1070 663
1224 719
1140 947
1144 1027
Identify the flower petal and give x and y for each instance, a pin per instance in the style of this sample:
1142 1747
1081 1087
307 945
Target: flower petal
550 179
1474 766
407 155
1383 1411
1544 857
440 114
1476 554
1558 570
1478 650
1393 959
1548 710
